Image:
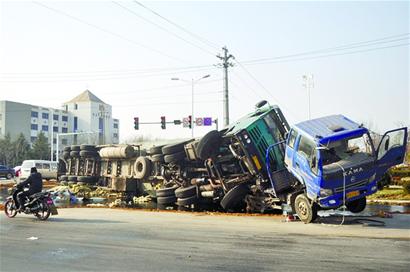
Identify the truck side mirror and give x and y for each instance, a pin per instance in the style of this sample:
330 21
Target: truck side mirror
260 104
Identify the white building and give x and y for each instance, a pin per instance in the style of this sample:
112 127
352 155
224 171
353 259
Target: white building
84 113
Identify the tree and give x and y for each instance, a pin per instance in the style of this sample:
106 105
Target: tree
41 148
21 150
6 150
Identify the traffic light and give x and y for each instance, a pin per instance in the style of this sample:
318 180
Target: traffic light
136 123
190 121
163 123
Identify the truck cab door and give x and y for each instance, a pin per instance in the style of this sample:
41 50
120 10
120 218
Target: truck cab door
391 150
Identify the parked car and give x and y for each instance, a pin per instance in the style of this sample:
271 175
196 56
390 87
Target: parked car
6 172
47 169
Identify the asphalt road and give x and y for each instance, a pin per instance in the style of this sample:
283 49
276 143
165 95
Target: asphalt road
132 240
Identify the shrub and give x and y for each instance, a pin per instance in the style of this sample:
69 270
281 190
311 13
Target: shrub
406 185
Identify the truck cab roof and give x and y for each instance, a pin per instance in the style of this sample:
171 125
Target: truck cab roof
330 128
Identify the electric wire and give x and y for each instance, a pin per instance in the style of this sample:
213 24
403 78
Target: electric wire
196 36
163 28
109 32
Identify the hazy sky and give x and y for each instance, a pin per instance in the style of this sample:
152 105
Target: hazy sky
48 57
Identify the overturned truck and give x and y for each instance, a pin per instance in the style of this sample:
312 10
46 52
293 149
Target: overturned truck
256 164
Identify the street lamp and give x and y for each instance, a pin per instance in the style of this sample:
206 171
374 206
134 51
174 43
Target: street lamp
308 84
193 81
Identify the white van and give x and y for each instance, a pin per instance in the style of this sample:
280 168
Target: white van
47 169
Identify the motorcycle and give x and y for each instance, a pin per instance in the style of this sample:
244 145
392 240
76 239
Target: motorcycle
39 204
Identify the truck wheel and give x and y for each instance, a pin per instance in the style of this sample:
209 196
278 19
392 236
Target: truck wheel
66 154
87 179
72 178
88 154
87 147
209 144
74 154
166 192
306 212
156 150
176 157
234 199
67 148
183 192
157 158
174 148
63 178
142 168
357 205
75 148
166 200
187 201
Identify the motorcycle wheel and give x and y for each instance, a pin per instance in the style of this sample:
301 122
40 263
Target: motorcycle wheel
10 208
44 212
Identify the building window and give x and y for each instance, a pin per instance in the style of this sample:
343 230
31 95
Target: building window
115 125
34 114
101 125
44 128
54 140
33 139
64 141
64 130
55 117
75 123
115 135
34 126
44 115
64 118
55 129
76 106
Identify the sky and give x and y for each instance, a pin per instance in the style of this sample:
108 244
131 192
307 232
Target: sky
357 52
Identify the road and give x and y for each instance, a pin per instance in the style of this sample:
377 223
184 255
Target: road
84 239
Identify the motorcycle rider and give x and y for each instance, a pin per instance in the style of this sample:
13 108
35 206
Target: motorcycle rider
35 183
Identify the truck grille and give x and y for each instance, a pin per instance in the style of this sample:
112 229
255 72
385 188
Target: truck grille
360 183
260 143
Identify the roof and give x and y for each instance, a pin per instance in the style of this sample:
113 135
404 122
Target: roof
330 128
86 96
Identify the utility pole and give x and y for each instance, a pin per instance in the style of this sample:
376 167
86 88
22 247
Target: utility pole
225 64
308 84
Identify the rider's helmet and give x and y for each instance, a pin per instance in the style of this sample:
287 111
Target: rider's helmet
33 170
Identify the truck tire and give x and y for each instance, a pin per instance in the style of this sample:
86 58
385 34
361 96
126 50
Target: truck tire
306 212
87 147
88 154
176 157
184 192
72 178
209 144
157 158
156 150
357 205
187 201
66 154
174 148
142 167
67 148
166 200
63 178
166 192
87 179
75 148
74 154
234 199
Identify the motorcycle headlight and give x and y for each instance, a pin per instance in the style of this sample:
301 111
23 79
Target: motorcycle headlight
325 192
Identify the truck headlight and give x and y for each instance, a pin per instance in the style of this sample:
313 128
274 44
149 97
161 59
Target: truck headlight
374 188
325 192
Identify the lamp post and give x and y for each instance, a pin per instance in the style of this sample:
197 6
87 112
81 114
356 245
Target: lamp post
193 81
308 84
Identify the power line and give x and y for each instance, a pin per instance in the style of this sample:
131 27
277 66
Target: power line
338 48
196 36
163 28
109 32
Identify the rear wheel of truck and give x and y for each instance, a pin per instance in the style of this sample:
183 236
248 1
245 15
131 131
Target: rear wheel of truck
166 192
306 212
184 192
166 200
142 167
235 198
357 205
87 179
156 150
187 201
157 158
174 148
209 144
175 157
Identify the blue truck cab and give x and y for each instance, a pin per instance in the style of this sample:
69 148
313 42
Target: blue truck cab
337 162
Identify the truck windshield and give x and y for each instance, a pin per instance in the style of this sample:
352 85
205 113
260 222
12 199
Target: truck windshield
347 149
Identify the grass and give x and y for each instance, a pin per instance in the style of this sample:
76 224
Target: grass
391 194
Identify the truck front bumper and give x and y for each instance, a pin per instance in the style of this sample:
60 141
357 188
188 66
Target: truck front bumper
336 200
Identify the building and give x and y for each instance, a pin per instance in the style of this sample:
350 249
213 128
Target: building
84 113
